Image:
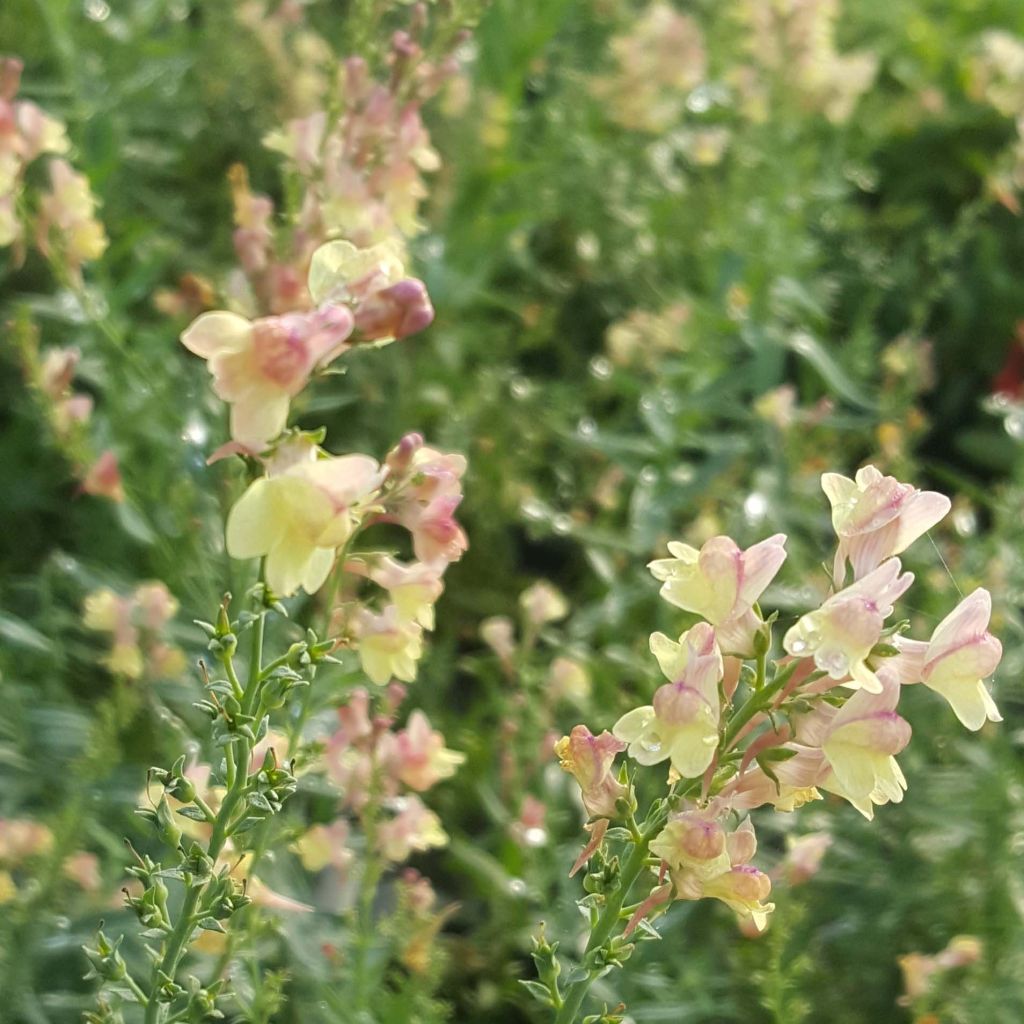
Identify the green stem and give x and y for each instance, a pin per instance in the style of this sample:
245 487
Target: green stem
136 988
372 871
611 915
177 941
757 701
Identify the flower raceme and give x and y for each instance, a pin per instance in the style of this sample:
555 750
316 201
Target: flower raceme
822 718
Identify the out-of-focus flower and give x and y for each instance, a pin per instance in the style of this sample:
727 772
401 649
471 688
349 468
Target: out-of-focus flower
414 828
389 646
155 604
21 839
682 723
135 624
778 406
996 71
66 227
876 517
919 969
589 759
325 846
67 220
568 680
529 828
643 338
426 490
657 63
705 147
543 603
498 632
413 589
419 757
103 479
804 855
362 170
841 634
84 870
794 40
193 296
300 516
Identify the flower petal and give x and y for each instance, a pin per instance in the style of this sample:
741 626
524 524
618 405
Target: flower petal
254 523
318 569
288 563
216 332
259 417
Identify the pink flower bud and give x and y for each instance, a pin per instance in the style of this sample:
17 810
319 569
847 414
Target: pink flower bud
400 458
103 479
394 312
10 77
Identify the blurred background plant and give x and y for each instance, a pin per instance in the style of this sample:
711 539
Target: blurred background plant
685 257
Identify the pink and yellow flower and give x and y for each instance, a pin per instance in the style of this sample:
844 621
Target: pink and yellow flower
419 757
721 583
954 663
299 517
860 746
414 828
589 759
413 589
389 645
876 517
682 723
259 366
841 634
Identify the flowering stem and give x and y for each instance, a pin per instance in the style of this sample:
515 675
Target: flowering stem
372 871
757 701
612 914
238 779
